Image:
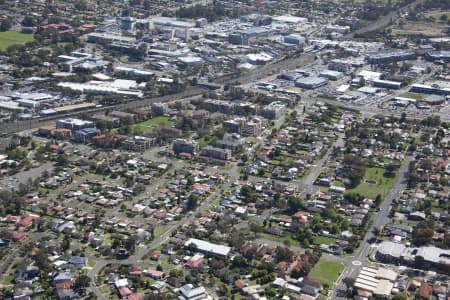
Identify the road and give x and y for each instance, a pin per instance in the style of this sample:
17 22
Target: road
382 217
315 172
383 21
137 257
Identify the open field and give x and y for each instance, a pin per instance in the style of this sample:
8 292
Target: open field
370 190
9 38
438 14
147 126
326 272
426 29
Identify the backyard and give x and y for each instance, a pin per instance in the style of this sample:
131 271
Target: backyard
323 240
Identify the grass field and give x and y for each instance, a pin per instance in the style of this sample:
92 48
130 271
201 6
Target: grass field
147 126
326 272
426 29
437 15
319 240
383 185
415 96
9 38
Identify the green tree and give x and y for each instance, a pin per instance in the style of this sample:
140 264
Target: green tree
82 281
5 24
423 233
65 245
192 202
400 296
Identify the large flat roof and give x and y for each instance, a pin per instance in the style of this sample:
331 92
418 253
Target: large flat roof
74 106
209 247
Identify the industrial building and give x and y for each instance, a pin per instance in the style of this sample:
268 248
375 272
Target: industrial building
438 55
331 75
114 40
118 86
388 57
133 73
294 39
167 22
244 36
376 282
311 83
435 88
387 84
337 28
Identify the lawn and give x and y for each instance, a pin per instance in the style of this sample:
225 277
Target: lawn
326 272
9 38
147 126
159 230
383 185
281 239
158 121
319 240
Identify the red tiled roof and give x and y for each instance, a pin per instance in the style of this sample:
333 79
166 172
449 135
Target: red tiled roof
134 296
68 284
425 290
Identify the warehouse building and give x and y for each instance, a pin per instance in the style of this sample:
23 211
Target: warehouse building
294 39
438 55
331 75
387 84
376 282
311 83
387 57
435 88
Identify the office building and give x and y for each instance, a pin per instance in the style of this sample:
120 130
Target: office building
74 124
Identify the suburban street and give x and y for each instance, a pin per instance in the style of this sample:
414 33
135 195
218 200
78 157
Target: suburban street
381 218
137 257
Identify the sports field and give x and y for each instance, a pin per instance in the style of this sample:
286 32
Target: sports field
9 38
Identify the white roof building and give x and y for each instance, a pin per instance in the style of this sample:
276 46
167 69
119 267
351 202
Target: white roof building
209 248
369 75
377 281
188 292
